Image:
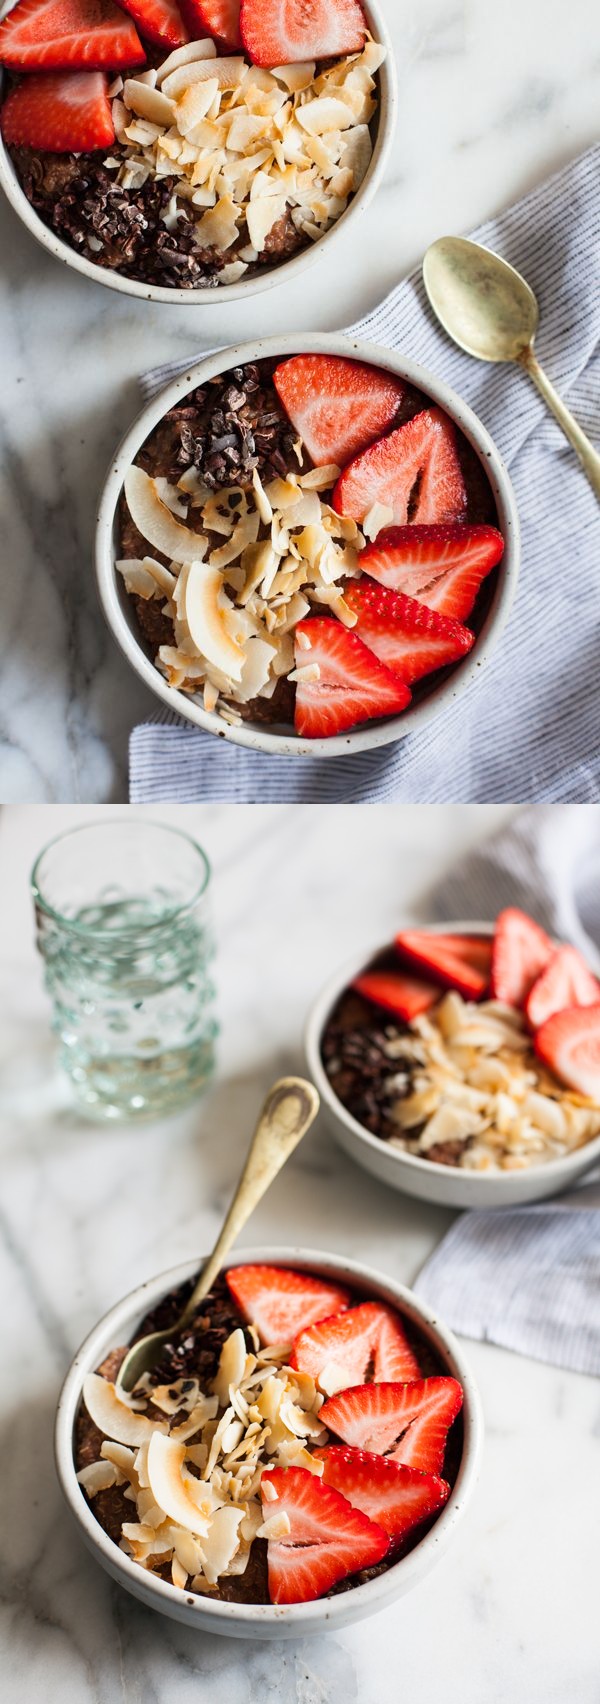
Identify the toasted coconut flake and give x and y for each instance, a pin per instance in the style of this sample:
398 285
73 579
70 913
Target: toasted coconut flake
174 1493
228 73
205 609
155 521
98 1477
114 1417
147 102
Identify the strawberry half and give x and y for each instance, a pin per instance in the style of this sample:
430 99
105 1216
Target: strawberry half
520 953
570 1044
405 996
410 639
407 1423
218 18
565 982
442 566
60 112
366 1341
398 1498
61 34
353 686
337 406
328 1538
287 32
159 20
281 1302
457 961
415 472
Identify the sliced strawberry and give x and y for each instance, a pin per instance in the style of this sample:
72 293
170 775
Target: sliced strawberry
218 18
521 952
281 1302
398 1498
159 20
353 686
442 566
286 32
565 982
410 639
337 406
366 1341
62 34
457 961
406 1422
415 472
405 996
59 112
569 1042
328 1538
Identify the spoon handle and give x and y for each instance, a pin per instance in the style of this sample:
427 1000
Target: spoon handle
288 1112
588 456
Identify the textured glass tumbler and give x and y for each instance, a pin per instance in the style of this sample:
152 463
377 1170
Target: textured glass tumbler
123 926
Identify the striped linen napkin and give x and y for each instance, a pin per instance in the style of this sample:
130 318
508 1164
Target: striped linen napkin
529 1278
529 728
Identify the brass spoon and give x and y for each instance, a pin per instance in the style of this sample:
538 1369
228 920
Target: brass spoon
287 1114
490 312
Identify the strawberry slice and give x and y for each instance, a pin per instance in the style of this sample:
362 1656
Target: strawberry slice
521 952
366 1341
415 472
565 982
218 18
337 406
281 1302
411 640
442 566
59 112
62 34
286 32
457 961
398 1498
405 996
159 20
407 1423
569 1043
328 1539
353 686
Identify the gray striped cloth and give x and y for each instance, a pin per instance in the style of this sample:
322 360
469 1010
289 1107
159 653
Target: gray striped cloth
529 729
529 1278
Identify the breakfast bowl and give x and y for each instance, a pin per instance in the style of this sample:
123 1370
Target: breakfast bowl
162 439
288 260
268 1620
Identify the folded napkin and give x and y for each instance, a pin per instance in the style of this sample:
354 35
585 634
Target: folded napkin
529 728
529 1278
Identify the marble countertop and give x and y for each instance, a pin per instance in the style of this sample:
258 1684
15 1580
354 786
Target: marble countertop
88 1212
492 99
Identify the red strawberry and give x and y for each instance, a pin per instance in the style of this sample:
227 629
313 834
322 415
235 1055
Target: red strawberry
398 1498
442 566
337 406
457 961
405 996
368 1340
286 32
569 1042
411 640
59 112
218 18
405 1422
62 34
353 686
414 471
521 952
328 1538
159 20
565 982
280 1302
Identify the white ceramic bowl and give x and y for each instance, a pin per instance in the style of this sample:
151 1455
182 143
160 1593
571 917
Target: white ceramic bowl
266 1621
120 613
447 1185
287 270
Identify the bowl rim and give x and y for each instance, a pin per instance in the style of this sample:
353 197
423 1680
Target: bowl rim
374 1593
313 1033
225 293
251 736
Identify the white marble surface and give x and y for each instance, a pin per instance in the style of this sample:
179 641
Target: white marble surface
493 98
511 1612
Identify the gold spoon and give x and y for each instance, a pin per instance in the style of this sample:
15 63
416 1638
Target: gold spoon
490 311
287 1114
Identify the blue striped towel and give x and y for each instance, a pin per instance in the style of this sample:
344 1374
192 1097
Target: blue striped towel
529 728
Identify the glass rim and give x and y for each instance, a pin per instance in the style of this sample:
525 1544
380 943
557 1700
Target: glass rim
128 929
